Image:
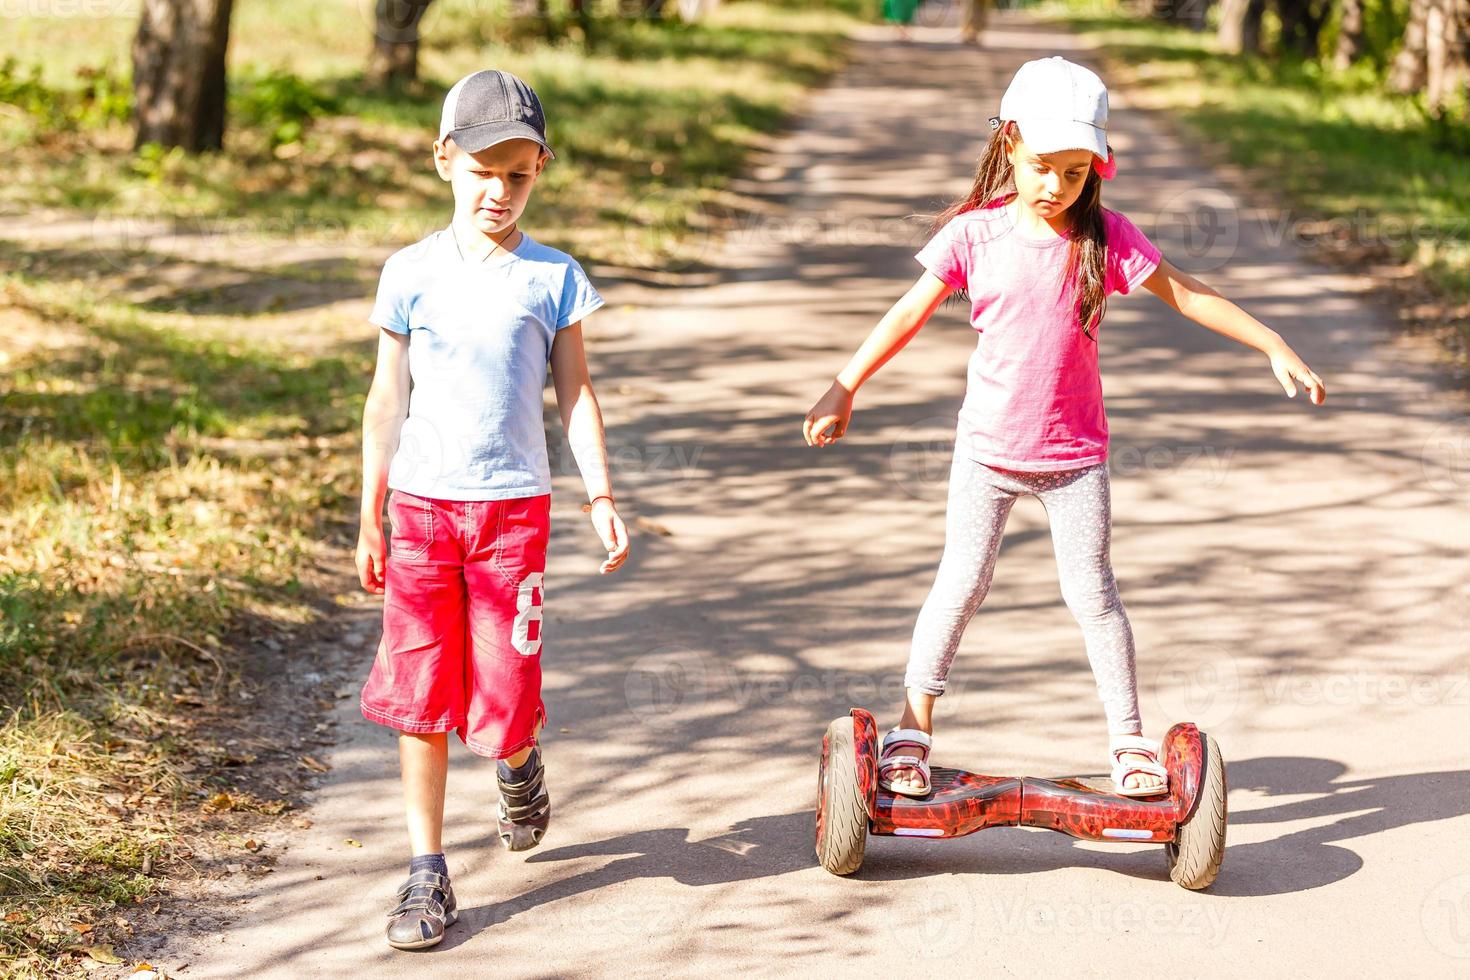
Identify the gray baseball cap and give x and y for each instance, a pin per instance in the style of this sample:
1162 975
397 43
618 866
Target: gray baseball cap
489 107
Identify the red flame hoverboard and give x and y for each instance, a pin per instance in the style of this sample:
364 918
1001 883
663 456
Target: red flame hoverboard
1189 820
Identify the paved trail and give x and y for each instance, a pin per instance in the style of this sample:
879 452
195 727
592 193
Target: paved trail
1296 578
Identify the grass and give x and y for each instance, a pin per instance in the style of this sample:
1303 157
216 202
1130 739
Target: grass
1338 146
648 126
178 426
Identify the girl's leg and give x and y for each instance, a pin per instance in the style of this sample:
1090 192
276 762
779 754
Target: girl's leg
980 500
1079 506
979 503
425 763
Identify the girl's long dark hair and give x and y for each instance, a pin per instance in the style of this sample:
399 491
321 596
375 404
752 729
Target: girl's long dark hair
1087 255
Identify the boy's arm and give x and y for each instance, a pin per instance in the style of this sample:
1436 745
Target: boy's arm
1208 308
382 421
898 326
581 417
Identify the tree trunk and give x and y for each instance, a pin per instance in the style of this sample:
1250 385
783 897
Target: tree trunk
395 56
179 73
1435 58
1447 31
1349 35
1409 66
1301 25
1240 26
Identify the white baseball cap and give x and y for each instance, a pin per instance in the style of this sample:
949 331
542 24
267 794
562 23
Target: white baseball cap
1058 106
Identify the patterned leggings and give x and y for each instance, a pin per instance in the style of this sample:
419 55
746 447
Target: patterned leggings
1078 505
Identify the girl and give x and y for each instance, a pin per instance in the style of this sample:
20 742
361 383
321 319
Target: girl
1037 255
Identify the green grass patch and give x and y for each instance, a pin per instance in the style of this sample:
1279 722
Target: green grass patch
649 122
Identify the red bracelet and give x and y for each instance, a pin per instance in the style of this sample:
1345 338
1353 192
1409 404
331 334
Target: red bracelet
602 496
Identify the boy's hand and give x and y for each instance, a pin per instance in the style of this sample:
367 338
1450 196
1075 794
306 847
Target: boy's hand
372 554
610 528
827 421
1290 369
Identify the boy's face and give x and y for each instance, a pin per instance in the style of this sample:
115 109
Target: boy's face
1049 183
492 187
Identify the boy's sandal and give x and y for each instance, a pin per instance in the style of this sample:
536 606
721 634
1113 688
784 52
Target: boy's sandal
525 807
895 742
1122 744
425 909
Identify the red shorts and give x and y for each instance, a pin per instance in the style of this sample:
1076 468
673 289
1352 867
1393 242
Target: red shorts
461 647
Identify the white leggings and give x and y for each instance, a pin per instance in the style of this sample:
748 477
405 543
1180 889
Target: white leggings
1078 505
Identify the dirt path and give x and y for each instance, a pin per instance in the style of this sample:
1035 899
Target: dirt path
1296 579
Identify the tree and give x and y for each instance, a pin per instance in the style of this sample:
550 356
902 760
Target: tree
1435 57
1301 24
179 73
1349 35
1240 26
395 54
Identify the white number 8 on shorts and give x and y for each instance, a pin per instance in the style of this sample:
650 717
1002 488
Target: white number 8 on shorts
528 611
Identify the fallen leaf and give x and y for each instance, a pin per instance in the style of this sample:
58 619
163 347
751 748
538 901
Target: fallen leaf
252 845
313 764
652 527
103 954
218 802
81 927
234 868
16 917
274 807
302 822
351 843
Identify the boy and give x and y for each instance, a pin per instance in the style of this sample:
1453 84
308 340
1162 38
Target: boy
473 314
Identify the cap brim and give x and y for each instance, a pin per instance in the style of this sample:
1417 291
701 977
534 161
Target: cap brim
1054 135
473 139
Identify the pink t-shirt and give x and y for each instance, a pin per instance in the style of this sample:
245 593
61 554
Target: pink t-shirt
1034 399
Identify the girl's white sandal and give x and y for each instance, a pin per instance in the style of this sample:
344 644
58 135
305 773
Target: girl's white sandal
895 740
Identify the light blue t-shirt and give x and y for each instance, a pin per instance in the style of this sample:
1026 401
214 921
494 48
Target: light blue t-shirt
479 342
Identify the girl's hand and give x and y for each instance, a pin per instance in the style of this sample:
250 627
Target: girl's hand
610 528
827 421
372 555
1290 369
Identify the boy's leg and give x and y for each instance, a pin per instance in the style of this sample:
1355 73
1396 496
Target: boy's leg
417 687
504 571
424 760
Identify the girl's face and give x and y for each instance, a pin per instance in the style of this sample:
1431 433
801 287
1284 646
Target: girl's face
1050 183
492 187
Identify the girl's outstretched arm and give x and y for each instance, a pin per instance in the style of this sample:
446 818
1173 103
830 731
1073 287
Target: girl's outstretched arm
1208 308
827 421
